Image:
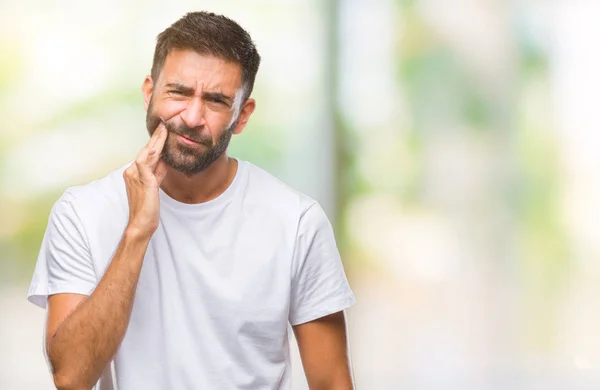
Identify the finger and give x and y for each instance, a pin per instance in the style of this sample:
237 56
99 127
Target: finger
152 159
159 143
157 147
159 128
130 172
160 171
143 163
153 138
145 172
142 156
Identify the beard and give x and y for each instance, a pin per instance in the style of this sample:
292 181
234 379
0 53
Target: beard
188 159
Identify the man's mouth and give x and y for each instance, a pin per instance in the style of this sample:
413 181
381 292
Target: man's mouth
183 138
187 140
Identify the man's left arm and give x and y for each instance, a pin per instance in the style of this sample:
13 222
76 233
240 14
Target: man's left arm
320 294
323 349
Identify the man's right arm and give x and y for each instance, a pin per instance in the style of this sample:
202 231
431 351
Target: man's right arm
83 334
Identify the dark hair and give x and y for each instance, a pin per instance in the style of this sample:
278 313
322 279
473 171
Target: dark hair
209 34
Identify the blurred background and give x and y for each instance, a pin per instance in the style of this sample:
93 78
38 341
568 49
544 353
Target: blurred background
451 142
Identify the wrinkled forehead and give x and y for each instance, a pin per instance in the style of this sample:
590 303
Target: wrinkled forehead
201 72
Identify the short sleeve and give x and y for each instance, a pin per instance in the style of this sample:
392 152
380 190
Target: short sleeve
64 263
319 283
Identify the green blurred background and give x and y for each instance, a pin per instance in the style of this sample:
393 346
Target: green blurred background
451 142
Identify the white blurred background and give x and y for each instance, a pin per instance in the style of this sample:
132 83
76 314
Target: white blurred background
453 143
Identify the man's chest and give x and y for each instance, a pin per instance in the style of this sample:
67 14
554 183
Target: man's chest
211 268
235 270
205 298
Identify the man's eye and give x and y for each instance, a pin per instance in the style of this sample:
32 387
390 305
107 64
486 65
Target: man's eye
216 100
176 93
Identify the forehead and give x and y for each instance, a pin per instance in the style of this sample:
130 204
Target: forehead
190 68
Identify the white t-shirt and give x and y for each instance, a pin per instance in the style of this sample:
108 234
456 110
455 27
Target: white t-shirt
220 284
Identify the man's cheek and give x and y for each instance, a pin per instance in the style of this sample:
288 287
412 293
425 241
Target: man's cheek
218 120
170 145
170 109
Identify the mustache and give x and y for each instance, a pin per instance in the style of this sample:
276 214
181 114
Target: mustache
195 134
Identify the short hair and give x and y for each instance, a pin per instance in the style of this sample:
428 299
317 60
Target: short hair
207 33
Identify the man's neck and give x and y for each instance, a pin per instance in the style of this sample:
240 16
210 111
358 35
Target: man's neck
201 187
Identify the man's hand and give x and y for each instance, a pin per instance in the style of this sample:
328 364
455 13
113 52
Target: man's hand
142 181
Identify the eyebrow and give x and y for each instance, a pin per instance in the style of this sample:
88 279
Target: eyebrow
190 91
181 88
218 96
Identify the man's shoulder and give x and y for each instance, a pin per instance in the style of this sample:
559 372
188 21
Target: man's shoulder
99 194
270 191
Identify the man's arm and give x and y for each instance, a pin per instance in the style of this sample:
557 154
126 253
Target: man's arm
324 353
83 334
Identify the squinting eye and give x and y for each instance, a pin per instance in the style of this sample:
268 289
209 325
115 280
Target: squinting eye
218 101
176 92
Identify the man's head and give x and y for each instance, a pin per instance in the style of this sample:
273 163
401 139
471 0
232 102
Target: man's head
202 76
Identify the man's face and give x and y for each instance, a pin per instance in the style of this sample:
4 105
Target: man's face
195 95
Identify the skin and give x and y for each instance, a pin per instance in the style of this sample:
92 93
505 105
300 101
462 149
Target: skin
205 77
83 333
323 350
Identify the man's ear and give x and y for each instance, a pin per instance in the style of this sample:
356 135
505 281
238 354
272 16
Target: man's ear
147 88
247 110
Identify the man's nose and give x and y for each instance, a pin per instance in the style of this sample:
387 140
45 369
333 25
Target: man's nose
193 115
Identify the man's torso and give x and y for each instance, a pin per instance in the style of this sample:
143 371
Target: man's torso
212 303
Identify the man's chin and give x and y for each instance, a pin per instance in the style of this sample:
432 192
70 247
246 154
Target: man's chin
188 168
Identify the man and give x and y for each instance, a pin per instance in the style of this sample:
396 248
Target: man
183 269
